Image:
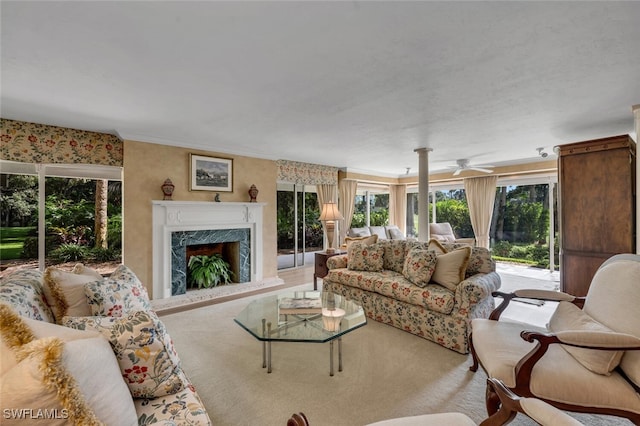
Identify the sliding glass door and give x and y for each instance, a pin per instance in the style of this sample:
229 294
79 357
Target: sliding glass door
299 230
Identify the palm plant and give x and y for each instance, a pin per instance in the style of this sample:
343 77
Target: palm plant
209 271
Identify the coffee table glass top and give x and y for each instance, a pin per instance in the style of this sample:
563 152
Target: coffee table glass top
298 317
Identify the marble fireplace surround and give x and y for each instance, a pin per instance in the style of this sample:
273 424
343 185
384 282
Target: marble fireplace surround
183 217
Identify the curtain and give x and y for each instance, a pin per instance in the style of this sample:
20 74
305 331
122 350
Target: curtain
481 194
398 206
346 205
327 193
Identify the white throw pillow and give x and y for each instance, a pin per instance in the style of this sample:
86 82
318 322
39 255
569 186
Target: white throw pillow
451 267
569 317
73 375
64 290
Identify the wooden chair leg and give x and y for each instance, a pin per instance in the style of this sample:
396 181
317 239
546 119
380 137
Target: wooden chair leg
474 357
492 400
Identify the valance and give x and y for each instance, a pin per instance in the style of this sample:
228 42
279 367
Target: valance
40 143
306 173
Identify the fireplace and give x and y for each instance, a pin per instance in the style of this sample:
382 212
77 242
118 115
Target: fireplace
181 224
232 244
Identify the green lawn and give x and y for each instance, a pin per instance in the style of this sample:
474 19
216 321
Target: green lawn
11 241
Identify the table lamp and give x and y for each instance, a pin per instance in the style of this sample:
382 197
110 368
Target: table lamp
329 215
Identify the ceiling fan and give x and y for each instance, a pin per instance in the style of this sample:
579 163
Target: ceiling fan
463 164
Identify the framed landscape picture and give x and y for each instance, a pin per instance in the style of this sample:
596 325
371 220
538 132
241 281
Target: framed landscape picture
211 173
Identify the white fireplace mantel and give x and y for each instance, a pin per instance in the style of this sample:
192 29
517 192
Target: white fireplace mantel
174 216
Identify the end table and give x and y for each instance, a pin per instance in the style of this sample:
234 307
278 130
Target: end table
321 269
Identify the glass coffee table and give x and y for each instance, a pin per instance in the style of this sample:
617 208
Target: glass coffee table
304 316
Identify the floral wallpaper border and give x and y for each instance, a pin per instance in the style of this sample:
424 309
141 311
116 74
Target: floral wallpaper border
306 173
40 143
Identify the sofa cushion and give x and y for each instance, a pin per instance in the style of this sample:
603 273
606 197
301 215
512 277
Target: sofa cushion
480 261
568 317
437 246
144 350
361 257
24 330
120 294
23 290
371 239
419 266
394 233
78 377
433 297
379 231
182 408
359 232
451 267
65 290
394 254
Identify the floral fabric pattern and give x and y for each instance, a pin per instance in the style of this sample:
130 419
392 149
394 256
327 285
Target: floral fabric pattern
419 266
306 173
448 330
365 258
24 291
394 254
433 312
39 143
148 361
182 408
118 295
394 285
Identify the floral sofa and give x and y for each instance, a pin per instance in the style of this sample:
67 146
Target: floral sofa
432 290
78 348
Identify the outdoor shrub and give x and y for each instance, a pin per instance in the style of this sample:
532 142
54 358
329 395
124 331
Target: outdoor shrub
100 254
518 252
501 248
30 247
69 252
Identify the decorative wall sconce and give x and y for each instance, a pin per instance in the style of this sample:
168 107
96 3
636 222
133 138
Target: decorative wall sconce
541 152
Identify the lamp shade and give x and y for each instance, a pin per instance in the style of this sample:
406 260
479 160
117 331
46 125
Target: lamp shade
330 212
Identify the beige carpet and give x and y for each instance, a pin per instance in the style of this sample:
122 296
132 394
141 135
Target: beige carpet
387 373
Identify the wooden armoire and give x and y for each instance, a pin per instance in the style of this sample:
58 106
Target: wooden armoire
597 207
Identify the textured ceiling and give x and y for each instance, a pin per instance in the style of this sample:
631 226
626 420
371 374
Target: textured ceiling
358 85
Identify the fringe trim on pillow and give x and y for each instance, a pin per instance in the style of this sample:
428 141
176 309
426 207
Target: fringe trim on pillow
56 378
463 267
14 331
58 295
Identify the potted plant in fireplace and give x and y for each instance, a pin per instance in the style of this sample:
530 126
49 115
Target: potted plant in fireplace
208 271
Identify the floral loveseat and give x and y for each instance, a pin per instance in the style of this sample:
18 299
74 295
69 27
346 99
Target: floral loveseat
432 290
78 348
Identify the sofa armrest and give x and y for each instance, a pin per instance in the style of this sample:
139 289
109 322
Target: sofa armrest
335 262
475 289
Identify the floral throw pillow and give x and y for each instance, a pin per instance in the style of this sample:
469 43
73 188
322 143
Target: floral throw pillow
144 350
362 257
122 293
419 266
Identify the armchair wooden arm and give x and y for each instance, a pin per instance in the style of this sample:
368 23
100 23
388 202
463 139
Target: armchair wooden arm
546 295
511 404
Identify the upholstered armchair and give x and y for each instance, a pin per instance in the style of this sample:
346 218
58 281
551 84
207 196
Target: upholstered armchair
588 357
444 232
511 404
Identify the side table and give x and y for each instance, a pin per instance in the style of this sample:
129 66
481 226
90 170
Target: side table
321 269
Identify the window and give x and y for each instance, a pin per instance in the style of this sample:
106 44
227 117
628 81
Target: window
59 203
